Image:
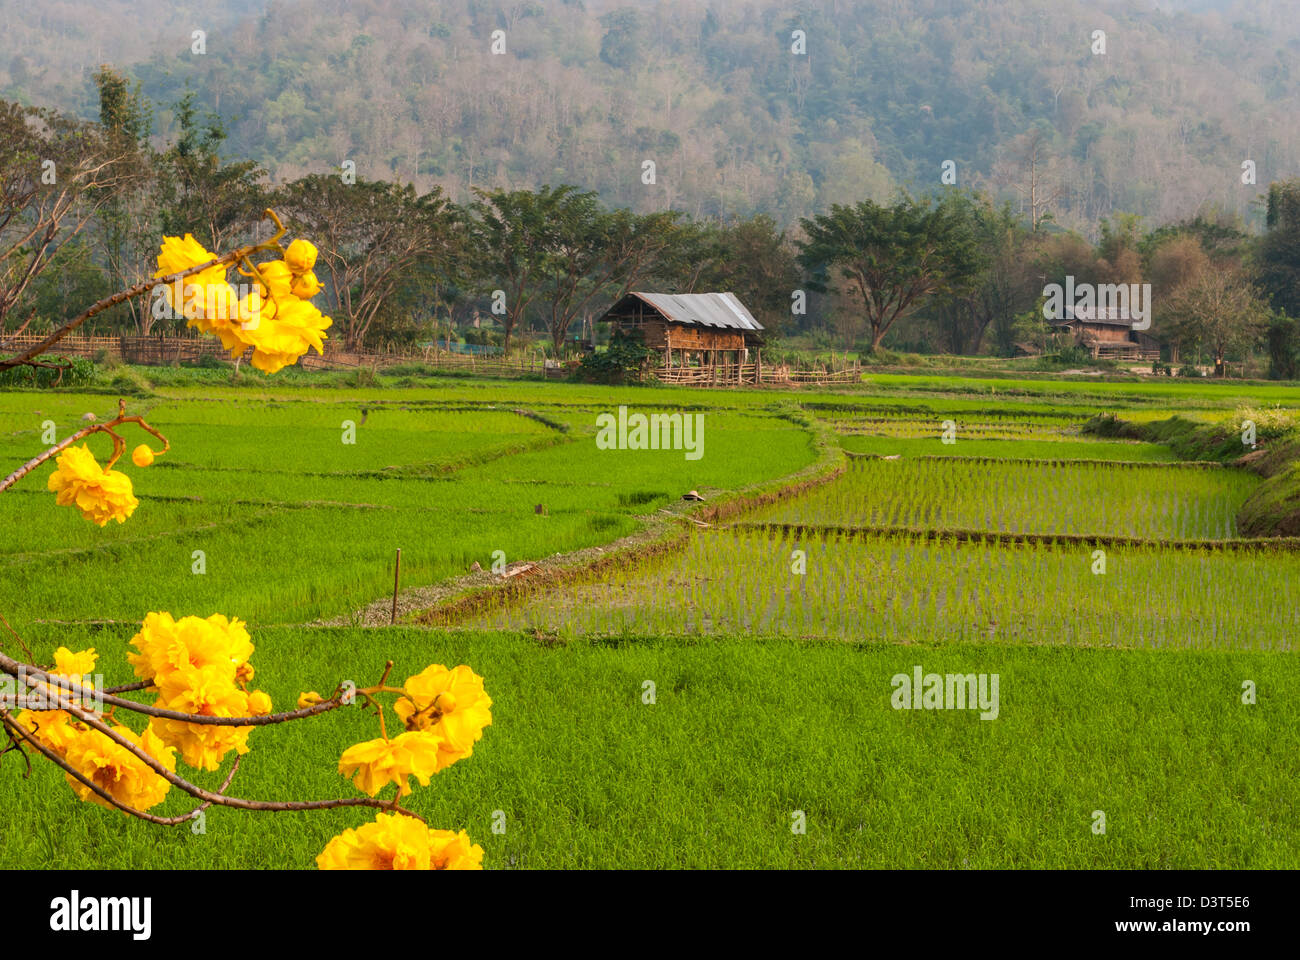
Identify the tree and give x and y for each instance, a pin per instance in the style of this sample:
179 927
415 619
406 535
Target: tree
597 255
200 195
1029 170
1278 254
999 288
370 234
1283 347
892 257
513 233
1220 310
1179 261
55 173
1118 259
129 221
752 258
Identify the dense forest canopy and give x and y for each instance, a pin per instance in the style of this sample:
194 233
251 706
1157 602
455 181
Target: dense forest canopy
734 121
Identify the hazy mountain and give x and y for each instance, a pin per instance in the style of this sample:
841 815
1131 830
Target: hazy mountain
713 95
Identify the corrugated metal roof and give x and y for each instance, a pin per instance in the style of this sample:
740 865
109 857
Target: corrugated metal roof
720 310
1110 316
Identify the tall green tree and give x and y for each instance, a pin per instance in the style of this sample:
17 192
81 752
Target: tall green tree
1278 254
215 201
893 258
129 219
597 256
1000 288
513 235
751 257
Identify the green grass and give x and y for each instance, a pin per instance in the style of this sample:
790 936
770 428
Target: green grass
296 525
743 733
1119 692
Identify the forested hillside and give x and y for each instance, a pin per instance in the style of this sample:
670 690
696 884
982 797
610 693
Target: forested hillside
734 120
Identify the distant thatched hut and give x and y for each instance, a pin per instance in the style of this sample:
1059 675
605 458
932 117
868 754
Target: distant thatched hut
1108 332
712 328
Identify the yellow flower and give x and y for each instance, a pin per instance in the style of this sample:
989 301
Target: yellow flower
175 255
167 644
53 728
274 318
306 286
453 851
280 340
208 302
309 699
300 257
142 456
101 495
114 769
450 703
397 842
210 692
259 704
69 664
376 763
279 280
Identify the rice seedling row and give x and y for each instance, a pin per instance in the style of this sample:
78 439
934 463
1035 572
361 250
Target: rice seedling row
1139 501
901 589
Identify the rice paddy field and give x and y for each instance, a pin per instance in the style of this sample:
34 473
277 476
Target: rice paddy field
1144 651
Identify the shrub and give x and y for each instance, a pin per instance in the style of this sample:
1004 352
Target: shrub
625 360
81 370
1270 422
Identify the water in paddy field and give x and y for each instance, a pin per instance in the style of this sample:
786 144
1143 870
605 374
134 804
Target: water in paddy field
903 588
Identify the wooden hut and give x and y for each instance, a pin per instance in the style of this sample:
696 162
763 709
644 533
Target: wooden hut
708 329
1108 332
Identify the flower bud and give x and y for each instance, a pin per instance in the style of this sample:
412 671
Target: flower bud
301 256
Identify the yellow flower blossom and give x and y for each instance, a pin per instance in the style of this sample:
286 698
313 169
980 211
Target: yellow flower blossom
69 664
142 456
306 286
376 763
167 644
453 851
176 254
279 283
396 842
309 699
450 703
280 340
54 729
114 769
101 495
210 692
208 302
274 318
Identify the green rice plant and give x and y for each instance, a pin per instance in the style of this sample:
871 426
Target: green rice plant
911 590
1079 499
